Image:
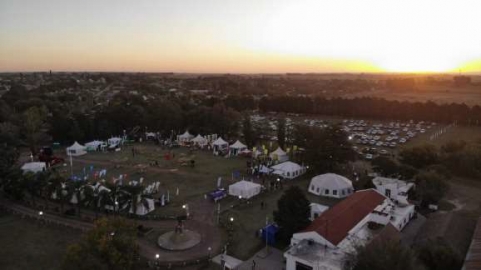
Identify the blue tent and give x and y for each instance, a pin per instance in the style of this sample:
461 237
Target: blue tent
269 232
218 194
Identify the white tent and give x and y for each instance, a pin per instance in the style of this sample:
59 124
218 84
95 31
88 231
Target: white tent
76 149
317 210
185 138
150 135
331 185
114 141
34 167
236 148
219 145
94 145
288 169
141 209
200 141
245 189
279 155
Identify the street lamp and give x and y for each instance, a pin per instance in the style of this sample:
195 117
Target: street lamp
157 259
231 219
40 213
209 249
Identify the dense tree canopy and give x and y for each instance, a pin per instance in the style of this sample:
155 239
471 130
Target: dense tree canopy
110 245
293 211
325 149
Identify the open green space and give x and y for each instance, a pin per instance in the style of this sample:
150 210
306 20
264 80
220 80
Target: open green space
27 244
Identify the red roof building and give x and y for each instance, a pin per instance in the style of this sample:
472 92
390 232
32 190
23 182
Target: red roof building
335 223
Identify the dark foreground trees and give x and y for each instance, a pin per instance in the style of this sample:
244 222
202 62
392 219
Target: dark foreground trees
292 214
111 244
382 255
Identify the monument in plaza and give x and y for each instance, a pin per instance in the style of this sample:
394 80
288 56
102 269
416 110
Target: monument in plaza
180 238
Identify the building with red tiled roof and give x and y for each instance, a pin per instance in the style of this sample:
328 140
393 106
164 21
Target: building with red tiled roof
355 221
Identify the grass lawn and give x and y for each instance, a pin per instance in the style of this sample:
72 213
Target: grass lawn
192 182
28 245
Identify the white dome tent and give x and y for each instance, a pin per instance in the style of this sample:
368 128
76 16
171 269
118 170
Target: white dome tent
236 148
34 167
76 149
331 185
279 155
288 169
219 145
245 189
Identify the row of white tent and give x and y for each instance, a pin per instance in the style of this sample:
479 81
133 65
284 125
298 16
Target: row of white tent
77 149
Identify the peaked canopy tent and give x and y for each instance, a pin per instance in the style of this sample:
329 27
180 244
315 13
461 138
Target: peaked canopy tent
185 138
236 148
279 155
95 145
199 141
331 185
288 169
245 189
76 149
34 167
219 145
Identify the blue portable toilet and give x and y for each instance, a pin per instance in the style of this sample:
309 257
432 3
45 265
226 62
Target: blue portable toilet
269 232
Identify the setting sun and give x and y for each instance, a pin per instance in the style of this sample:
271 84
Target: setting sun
248 36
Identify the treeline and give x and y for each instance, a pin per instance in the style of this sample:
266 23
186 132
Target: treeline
374 108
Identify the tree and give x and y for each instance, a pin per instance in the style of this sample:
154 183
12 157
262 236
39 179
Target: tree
293 211
385 166
111 244
439 255
325 149
381 255
419 156
430 187
248 131
33 124
281 132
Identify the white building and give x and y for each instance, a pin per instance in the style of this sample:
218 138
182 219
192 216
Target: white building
396 190
356 220
317 210
331 185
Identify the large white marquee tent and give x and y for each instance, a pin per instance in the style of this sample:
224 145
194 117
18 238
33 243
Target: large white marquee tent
288 169
245 189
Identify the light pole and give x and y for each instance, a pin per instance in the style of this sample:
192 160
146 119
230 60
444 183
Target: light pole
186 208
157 259
209 249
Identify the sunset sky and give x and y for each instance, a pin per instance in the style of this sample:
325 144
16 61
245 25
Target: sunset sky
245 36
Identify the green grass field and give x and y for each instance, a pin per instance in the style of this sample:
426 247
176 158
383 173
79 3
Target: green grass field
28 245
